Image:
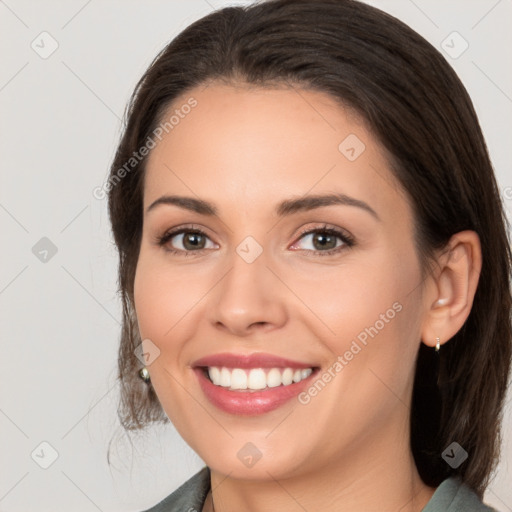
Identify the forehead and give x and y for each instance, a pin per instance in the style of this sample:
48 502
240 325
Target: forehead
250 145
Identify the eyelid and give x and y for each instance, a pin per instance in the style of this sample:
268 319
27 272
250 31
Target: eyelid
342 234
346 238
186 228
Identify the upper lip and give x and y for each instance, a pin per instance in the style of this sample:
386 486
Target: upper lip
257 360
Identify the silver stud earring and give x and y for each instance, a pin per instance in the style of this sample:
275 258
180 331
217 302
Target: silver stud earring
144 374
438 345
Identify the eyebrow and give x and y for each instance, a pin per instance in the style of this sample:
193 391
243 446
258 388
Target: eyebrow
285 208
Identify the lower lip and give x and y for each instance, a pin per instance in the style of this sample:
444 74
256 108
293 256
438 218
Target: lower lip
250 403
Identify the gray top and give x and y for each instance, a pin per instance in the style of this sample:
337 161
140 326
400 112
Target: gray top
451 496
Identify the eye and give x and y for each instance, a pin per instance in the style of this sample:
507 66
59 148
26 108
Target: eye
185 240
325 240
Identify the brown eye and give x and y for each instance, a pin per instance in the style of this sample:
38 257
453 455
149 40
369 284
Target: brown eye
191 241
324 241
185 241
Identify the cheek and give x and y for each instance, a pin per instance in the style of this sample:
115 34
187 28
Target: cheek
369 320
368 314
163 296
151 301
362 298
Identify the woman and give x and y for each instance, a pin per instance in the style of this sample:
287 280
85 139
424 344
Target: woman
314 264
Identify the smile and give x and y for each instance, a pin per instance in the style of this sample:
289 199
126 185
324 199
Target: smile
252 384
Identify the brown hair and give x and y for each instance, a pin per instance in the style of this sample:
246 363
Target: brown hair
416 106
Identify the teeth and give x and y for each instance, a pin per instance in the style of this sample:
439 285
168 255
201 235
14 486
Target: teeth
274 378
215 375
287 377
225 378
257 378
238 379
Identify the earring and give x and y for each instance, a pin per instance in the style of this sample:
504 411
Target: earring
144 374
438 345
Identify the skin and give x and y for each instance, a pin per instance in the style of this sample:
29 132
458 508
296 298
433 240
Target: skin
245 149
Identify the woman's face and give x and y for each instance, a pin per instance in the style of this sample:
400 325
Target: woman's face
342 309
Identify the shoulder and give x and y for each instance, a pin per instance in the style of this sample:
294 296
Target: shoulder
189 497
455 496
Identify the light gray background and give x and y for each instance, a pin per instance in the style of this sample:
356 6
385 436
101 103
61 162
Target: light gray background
60 122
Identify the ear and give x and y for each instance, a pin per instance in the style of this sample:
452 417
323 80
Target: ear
452 287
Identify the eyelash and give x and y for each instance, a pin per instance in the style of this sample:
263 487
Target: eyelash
347 240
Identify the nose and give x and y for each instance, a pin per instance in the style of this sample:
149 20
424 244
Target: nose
248 299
